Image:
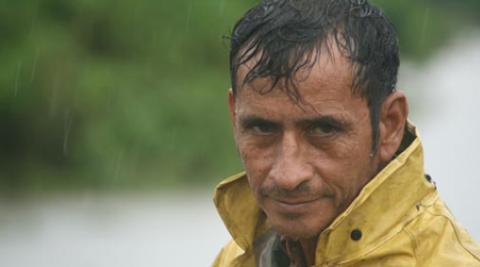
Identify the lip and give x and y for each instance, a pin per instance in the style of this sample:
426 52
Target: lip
294 205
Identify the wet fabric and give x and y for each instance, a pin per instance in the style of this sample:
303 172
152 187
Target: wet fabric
398 219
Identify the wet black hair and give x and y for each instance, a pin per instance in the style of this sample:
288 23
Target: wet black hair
285 36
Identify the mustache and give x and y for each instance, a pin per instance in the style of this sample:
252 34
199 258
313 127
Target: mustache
301 191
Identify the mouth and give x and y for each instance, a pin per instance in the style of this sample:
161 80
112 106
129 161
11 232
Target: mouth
294 205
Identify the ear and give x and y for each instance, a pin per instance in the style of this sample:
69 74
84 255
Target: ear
231 105
393 116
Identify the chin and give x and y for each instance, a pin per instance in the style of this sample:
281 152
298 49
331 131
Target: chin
296 228
303 222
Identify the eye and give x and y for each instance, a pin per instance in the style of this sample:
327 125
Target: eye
259 126
321 130
263 129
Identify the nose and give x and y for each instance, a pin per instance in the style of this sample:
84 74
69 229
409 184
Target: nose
290 170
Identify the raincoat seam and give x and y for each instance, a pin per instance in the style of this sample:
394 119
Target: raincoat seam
457 236
414 243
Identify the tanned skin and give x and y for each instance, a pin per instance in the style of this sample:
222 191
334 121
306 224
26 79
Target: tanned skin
307 161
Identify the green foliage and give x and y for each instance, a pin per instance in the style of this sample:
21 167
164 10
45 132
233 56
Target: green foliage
116 94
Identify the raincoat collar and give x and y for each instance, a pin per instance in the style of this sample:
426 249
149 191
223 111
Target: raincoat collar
380 211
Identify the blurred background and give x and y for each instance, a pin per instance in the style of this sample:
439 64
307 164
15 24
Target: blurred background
114 123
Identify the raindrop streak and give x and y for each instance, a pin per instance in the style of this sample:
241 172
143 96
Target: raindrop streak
117 165
221 7
172 139
53 98
67 126
34 18
426 19
189 14
17 78
34 66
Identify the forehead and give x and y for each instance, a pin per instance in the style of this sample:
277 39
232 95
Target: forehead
324 88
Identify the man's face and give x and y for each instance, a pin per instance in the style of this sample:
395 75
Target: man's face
305 162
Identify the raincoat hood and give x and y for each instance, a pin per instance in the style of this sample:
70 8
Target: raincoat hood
396 199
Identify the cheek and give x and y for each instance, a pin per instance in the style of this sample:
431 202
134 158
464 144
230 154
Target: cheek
256 160
344 166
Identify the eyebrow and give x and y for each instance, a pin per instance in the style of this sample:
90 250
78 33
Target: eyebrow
335 121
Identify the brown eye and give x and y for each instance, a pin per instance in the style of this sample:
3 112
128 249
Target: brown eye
321 130
263 129
259 126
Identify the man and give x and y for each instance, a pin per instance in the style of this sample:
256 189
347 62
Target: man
333 169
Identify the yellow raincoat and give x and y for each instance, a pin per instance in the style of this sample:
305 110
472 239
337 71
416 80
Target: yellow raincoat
400 217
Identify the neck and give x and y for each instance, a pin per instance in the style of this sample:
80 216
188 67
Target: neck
308 246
